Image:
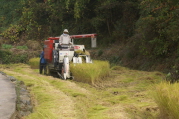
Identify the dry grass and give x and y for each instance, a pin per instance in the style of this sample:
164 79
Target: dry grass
35 45
128 94
167 98
90 73
82 53
34 63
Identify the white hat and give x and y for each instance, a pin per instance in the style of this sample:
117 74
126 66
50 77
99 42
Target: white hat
65 30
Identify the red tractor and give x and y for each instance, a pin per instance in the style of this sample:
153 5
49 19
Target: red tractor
59 57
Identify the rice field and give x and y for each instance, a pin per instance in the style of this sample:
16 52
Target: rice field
85 72
166 95
124 94
90 72
34 63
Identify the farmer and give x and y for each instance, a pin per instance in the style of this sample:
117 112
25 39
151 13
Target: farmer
43 63
65 38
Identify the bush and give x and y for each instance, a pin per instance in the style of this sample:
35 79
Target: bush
100 52
20 58
173 75
22 47
34 63
6 46
90 73
167 98
7 57
35 45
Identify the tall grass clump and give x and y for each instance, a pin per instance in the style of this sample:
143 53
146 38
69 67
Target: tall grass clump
167 98
90 73
34 63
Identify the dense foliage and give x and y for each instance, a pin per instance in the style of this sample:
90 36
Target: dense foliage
151 26
7 57
158 26
38 19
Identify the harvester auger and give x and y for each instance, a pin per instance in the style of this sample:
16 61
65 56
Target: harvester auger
59 57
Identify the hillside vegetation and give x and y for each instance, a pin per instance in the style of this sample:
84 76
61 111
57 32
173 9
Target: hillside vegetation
146 31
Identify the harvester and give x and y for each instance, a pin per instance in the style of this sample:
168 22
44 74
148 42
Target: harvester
59 56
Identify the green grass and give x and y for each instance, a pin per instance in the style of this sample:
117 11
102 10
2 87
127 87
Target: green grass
118 99
90 73
167 98
22 47
6 46
96 112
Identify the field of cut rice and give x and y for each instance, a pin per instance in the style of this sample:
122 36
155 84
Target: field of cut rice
124 94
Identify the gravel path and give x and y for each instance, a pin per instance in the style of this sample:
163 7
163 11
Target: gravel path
7 98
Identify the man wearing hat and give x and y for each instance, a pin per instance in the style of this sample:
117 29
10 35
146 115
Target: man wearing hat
65 38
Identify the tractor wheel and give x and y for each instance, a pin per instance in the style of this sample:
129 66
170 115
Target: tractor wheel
71 76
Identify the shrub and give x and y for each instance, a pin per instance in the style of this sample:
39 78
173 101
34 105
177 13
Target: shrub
100 52
6 46
173 75
90 73
167 98
117 68
20 58
34 63
22 47
114 59
35 45
7 57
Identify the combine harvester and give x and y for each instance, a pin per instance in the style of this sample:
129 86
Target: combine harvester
59 56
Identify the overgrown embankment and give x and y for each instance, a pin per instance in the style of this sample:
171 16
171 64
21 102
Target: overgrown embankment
20 53
146 28
129 55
